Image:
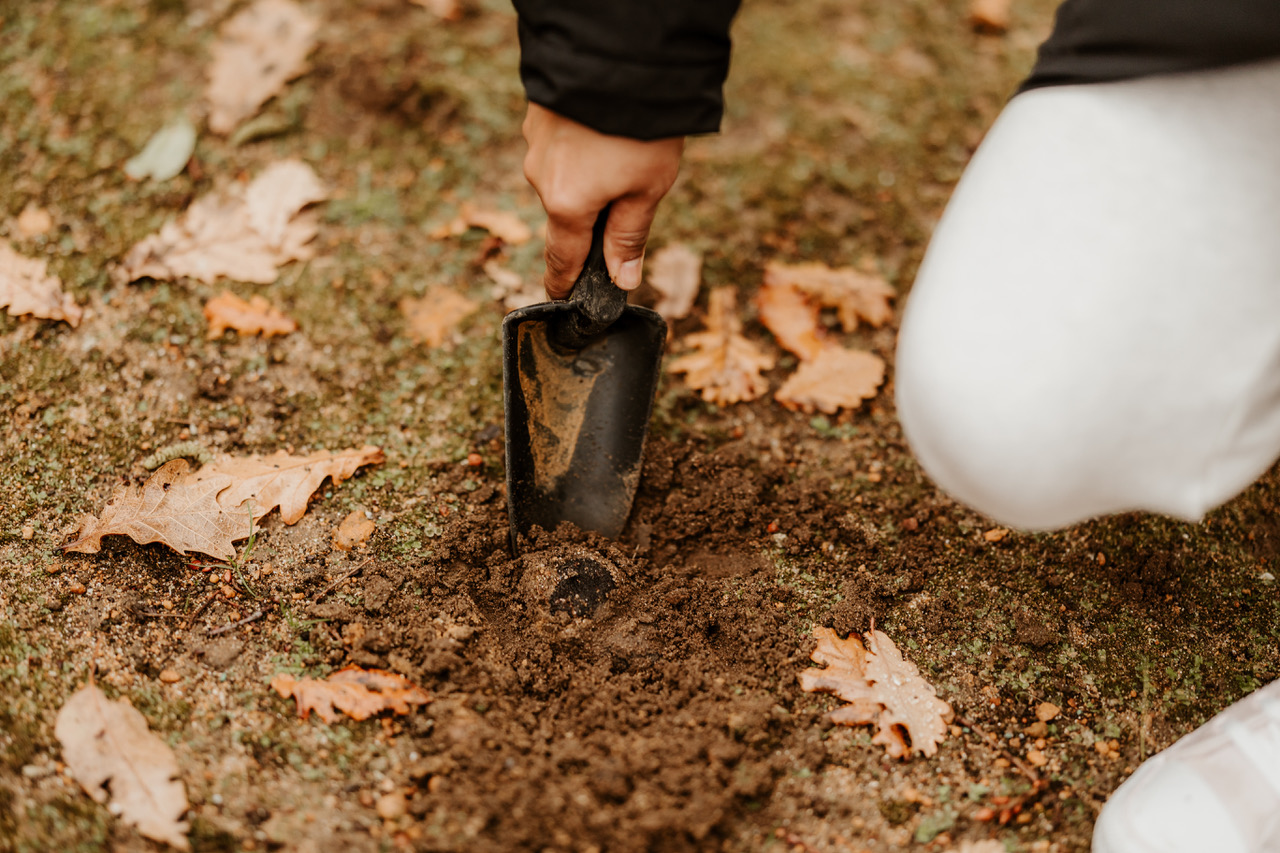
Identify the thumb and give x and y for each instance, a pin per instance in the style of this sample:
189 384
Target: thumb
625 235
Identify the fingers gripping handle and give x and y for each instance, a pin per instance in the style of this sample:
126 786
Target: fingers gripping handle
597 300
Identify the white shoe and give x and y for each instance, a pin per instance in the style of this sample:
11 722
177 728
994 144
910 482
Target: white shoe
1215 791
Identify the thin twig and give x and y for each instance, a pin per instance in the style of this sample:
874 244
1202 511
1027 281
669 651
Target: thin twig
331 587
201 609
252 617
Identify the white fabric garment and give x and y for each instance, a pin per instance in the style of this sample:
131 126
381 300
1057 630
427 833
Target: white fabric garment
1096 324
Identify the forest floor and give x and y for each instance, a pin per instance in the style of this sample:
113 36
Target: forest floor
672 718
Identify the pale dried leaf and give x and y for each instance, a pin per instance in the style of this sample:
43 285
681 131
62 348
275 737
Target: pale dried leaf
506 281
358 693
26 287
502 224
792 318
911 703
675 271
835 378
107 743
445 10
219 234
34 221
172 507
281 480
883 689
257 316
166 153
991 16
277 195
433 317
724 366
855 295
257 52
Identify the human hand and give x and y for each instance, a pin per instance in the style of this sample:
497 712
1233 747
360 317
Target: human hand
577 172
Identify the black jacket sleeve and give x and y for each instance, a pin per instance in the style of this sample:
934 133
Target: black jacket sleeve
645 70
1098 41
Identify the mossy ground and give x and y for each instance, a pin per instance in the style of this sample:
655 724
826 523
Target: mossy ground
848 124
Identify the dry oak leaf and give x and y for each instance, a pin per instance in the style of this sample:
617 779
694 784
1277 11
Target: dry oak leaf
836 378
257 52
675 271
172 507
244 234
855 295
502 224
882 688
792 318
108 743
257 316
724 366
281 480
26 287
356 692
433 316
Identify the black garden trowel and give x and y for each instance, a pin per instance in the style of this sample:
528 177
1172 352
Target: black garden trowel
578 379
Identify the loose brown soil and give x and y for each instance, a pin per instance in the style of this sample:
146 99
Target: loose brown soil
589 695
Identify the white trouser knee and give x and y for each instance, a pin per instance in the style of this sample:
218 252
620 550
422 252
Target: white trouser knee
1096 325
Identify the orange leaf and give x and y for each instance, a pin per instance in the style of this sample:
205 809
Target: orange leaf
792 318
855 295
836 378
228 311
433 316
502 224
882 688
725 366
358 693
26 287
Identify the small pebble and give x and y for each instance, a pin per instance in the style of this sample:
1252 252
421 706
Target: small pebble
391 806
1046 711
475 460
76 588
1037 758
28 532
170 676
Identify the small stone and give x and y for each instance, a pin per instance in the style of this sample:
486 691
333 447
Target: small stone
1047 711
996 534
170 676
28 532
353 532
76 588
1037 729
1036 758
34 221
475 460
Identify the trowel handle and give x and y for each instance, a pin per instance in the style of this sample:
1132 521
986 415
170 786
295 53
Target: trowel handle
599 301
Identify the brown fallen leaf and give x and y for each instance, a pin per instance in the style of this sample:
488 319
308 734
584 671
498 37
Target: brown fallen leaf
835 378
237 233
882 689
675 271
855 295
284 481
792 318
989 16
724 365
257 52
358 693
354 531
26 287
445 10
502 224
172 507
33 221
106 743
434 316
257 316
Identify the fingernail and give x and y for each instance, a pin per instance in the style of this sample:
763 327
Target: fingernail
629 274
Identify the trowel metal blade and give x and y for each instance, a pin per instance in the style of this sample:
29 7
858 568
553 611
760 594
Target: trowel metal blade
576 420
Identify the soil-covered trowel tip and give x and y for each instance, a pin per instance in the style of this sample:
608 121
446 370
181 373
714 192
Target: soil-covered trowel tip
577 581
